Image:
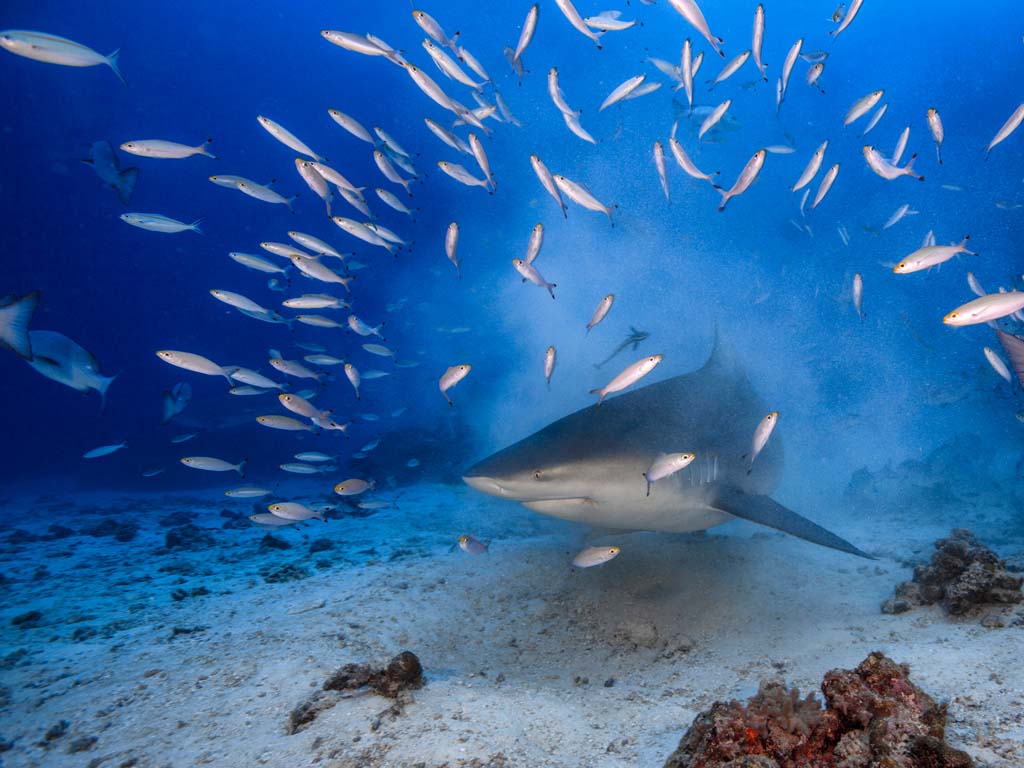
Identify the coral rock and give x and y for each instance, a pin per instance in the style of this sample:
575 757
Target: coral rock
963 575
873 716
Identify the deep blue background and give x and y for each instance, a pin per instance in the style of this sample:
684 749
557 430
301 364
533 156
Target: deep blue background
198 70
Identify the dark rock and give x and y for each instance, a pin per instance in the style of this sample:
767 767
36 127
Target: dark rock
320 545
188 537
276 574
27 620
56 731
111 526
82 744
609 682
18 536
175 519
6 746
873 716
270 541
59 531
310 709
963 575
186 631
83 633
403 672
181 594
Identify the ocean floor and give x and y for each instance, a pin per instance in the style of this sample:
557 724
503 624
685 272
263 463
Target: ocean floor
149 655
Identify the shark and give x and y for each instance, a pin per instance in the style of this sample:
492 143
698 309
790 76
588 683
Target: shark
589 466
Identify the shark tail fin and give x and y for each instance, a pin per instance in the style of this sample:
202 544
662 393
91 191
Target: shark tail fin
764 510
125 184
15 316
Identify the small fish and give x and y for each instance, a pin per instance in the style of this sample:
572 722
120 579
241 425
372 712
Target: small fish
526 34
292 510
429 25
812 167
659 164
353 487
471 545
862 106
814 74
52 49
368 375
690 11
730 69
296 403
998 364
286 137
214 465
629 375
582 196
451 377
974 285
851 14
747 177
191 362
935 125
178 439
165 150
534 245
372 504
858 295
351 125
875 118
1011 125
592 556
787 69
412 463
299 468
548 182
265 194
887 170
901 145
253 378
665 465
761 434
315 301
929 256
634 339
549 365
448 137
826 184
155 222
258 263
713 118
569 11
991 306
267 520
687 164
530 273
621 91
370 446
461 175
103 450
293 368
153 472
451 243
602 309
363 329
898 214
285 423
247 492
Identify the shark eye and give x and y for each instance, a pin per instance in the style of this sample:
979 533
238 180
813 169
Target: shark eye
537 474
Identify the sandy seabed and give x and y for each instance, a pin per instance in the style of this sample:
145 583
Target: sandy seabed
528 661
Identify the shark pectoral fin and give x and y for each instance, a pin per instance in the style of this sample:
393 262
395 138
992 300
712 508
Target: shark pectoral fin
764 510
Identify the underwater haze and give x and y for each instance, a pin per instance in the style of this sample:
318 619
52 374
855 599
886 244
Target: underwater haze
137 595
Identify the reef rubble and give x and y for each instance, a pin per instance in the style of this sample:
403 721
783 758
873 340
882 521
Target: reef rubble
963 576
873 716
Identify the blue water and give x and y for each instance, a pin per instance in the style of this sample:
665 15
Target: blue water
895 386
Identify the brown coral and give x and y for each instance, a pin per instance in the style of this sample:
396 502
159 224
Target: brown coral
873 716
963 575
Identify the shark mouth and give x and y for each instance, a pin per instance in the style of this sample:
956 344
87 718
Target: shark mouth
492 487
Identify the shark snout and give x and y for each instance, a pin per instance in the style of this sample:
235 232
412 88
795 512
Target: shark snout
483 484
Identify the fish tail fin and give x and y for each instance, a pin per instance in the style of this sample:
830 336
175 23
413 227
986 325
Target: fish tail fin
240 467
125 184
112 63
764 510
14 320
194 226
105 382
203 149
